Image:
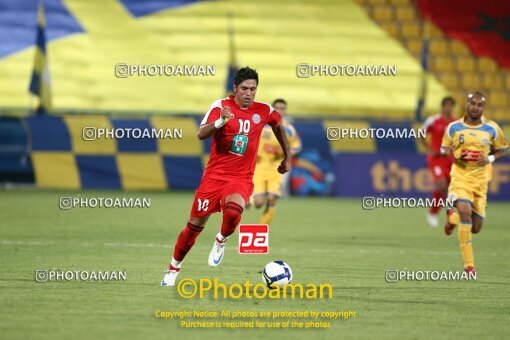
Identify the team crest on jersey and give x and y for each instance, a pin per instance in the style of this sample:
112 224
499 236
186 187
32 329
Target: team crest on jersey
256 118
485 141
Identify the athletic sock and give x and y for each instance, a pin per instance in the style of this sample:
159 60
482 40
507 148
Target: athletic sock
268 215
466 245
185 241
175 265
220 238
453 217
438 196
231 218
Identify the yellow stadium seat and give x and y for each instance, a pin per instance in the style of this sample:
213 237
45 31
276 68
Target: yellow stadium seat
449 79
498 98
492 81
491 112
195 36
382 13
460 96
414 46
499 114
391 28
434 31
470 81
442 64
486 65
506 78
459 48
400 2
377 2
410 30
438 46
465 64
405 13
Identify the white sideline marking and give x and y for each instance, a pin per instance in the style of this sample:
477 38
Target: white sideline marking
154 245
85 244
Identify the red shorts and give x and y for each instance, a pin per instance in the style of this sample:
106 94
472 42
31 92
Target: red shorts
440 167
211 194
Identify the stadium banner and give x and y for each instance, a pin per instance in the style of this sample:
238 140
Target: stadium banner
397 174
92 152
162 153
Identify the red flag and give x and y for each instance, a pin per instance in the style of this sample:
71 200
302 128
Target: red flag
483 25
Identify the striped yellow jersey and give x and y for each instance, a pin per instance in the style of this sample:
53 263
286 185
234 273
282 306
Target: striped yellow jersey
469 142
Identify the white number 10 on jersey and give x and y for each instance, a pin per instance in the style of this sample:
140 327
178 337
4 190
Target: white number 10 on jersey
244 126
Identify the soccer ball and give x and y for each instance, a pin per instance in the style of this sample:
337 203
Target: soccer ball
277 273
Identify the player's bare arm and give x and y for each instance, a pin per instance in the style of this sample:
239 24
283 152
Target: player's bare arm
498 154
445 151
281 136
207 130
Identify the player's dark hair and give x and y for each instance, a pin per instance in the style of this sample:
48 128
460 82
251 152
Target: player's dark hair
279 100
245 73
448 99
476 93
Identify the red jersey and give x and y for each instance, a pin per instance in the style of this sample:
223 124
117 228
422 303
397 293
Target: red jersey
436 126
234 146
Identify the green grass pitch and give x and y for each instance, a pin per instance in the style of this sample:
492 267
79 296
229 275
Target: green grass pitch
323 240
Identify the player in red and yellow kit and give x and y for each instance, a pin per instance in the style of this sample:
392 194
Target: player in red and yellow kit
439 166
269 183
470 139
235 124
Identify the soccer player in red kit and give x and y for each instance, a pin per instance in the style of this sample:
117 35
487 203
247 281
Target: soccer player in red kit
235 124
439 166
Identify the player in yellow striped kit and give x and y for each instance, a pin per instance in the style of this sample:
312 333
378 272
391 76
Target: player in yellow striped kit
471 139
267 182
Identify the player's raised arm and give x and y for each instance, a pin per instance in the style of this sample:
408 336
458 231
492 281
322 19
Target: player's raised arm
446 144
281 136
207 130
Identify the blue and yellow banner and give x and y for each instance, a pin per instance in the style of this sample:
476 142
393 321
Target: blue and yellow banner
64 157
339 157
40 82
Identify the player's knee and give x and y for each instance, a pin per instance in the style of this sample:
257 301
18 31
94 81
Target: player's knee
465 217
271 200
187 238
197 221
477 226
259 203
232 212
464 212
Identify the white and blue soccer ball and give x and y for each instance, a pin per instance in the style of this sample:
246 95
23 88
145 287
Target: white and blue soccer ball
277 274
